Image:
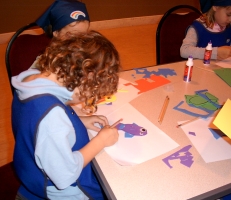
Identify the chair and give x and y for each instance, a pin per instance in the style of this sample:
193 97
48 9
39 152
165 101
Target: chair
22 50
171 31
9 182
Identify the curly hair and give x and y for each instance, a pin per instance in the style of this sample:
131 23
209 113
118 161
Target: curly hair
208 17
88 61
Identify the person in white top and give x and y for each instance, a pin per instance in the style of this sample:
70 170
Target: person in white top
214 26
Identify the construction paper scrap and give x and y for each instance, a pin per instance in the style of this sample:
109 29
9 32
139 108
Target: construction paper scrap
121 90
199 102
210 148
117 100
147 74
203 99
222 120
139 148
226 63
224 74
216 133
183 155
209 97
107 100
188 112
192 133
144 85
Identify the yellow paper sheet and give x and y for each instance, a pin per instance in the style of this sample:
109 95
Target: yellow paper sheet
223 119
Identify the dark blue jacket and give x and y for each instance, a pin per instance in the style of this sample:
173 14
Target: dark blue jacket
217 38
26 116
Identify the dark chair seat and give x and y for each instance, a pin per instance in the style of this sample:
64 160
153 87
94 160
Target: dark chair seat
9 182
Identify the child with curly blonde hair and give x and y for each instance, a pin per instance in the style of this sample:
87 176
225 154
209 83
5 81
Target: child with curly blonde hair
52 155
214 26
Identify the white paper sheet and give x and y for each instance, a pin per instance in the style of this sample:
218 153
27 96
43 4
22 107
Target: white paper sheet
225 63
211 147
138 149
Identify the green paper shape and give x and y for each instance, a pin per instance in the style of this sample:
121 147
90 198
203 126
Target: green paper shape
225 74
200 102
211 97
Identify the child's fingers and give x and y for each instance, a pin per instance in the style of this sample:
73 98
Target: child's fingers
102 120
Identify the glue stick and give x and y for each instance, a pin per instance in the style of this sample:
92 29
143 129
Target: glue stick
208 53
188 69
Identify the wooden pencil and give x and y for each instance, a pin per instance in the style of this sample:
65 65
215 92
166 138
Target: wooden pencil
179 125
116 123
163 110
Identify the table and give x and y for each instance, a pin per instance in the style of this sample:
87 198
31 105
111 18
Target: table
153 179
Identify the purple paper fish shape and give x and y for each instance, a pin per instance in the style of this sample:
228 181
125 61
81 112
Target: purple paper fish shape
132 130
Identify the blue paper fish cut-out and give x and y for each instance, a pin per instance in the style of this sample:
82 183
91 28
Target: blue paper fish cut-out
132 130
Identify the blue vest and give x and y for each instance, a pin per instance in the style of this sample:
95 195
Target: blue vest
26 116
217 38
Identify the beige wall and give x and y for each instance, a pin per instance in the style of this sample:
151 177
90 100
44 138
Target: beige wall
16 13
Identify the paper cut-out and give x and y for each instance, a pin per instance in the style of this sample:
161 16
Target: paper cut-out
225 74
203 100
198 101
209 112
222 120
192 133
107 100
147 74
132 130
144 85
183 154
209 97
216 133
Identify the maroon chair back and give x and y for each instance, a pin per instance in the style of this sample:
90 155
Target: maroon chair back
170 33
9 184
24 51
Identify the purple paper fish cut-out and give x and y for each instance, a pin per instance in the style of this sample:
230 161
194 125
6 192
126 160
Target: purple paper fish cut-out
132 130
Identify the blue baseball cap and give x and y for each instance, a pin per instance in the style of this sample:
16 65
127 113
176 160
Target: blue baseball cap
62 13
207 4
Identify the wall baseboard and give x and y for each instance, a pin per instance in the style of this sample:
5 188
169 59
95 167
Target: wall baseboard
97 25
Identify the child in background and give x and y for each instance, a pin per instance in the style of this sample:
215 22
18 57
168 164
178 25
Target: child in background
214 26
52 155
64 17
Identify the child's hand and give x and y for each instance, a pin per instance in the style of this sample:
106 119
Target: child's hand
108 136
223 52
89 121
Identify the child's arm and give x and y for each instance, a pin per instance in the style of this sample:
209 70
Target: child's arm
189 46
106 137
223 52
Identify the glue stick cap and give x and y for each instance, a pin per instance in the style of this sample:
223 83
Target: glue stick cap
209 46
190 61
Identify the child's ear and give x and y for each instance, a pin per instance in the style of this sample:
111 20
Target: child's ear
90 75
214 8
55 33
